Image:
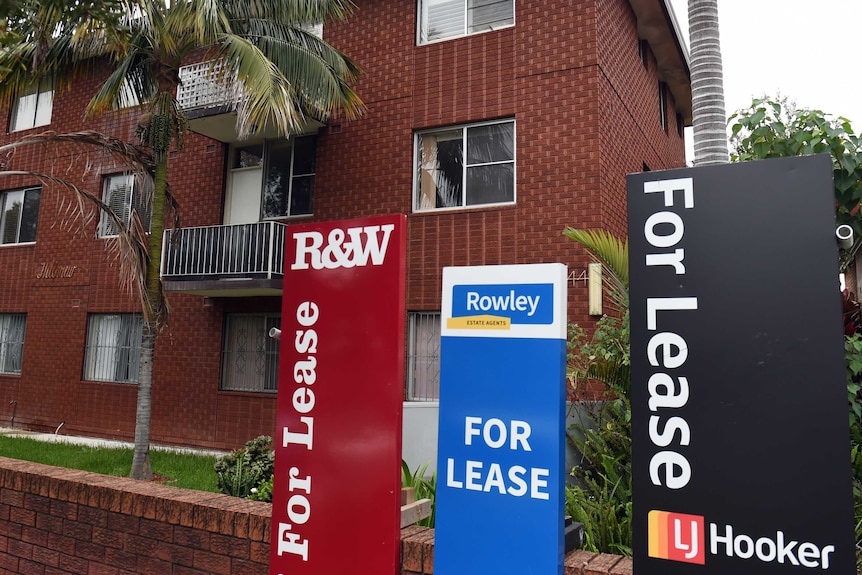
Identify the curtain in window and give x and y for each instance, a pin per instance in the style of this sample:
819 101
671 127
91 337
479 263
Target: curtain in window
249 355
440 169
423 361
113 348
12 328
118 197
11 204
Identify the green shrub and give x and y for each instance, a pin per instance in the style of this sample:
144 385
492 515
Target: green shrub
240 471
853 355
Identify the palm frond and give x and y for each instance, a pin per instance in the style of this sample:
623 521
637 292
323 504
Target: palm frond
613 253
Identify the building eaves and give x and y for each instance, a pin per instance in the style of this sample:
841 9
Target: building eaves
657 24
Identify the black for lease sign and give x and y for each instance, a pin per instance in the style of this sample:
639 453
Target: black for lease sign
739 406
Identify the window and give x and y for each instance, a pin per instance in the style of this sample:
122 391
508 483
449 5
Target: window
643 52
288 184
423 356
441 19
12 327
113 347
249 355
662 105
466 166
33 108
123 193
19 215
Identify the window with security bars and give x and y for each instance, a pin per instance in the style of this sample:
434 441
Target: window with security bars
249 355
113 347
442 19
423 356
12 327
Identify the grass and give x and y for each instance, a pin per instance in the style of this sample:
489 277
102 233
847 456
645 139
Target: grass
177 469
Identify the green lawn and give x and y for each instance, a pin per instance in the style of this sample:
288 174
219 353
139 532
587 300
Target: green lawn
177 469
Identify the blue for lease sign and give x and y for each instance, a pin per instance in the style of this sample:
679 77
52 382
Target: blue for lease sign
502 416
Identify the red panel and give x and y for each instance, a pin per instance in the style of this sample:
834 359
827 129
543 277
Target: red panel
338 427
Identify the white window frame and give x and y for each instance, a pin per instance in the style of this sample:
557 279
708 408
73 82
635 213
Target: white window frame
107 226
423 356
254 368
421 21
7 196
417 167
34 108
113 347
13 328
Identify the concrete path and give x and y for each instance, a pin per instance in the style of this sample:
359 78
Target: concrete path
99 442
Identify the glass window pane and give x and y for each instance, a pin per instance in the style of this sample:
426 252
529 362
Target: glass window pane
485 15
301 195
12 327
304 155
441 172
12 203
491 143
248 157
118 197
25 112
30 215
249 355
276 187
113 347
423 356
442 19
44 106
491 184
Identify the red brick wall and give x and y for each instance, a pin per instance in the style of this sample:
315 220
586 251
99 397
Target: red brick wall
586 115
56 521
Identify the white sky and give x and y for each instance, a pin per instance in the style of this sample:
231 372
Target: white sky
807 51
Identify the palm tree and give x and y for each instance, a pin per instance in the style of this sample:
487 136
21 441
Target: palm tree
285 74
707 85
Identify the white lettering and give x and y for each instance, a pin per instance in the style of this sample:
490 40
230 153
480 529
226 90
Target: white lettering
670 461
665 437
290 542
667 341
364 243
450 475
668 259
664 240
657 304
305 439
668 187
670 397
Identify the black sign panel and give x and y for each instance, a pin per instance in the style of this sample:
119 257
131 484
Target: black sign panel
741 457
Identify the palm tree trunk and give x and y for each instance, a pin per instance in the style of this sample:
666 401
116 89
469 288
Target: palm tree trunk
707 84
141 468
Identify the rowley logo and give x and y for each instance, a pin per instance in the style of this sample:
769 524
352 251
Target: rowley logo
677 537
498 306
369 242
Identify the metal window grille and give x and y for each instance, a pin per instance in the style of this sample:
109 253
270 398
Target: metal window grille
12 327
423 356
249 355
113 347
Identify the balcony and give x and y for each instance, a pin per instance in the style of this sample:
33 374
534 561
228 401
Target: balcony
209 96
225 261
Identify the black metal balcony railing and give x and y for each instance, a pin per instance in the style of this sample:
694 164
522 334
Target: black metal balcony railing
245 251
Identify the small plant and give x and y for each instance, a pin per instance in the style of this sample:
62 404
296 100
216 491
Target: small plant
240 471
262 492
423 488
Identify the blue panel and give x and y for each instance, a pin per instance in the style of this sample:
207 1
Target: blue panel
500 468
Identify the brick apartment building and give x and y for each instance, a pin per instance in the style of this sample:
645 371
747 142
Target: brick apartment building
493 124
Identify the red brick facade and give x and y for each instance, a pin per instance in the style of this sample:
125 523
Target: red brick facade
586 109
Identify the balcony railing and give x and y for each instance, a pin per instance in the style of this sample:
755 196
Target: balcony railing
207 85
245 251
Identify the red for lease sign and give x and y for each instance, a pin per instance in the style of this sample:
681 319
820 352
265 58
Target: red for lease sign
336 495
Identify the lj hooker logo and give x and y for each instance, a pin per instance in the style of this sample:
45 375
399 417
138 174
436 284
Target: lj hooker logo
499 306
681 537
677 537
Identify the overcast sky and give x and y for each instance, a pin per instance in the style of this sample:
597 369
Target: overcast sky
807 51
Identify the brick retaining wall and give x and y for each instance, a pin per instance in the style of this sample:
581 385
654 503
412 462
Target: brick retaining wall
57 521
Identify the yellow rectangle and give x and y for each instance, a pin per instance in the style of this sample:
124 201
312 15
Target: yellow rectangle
479 322
657 537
